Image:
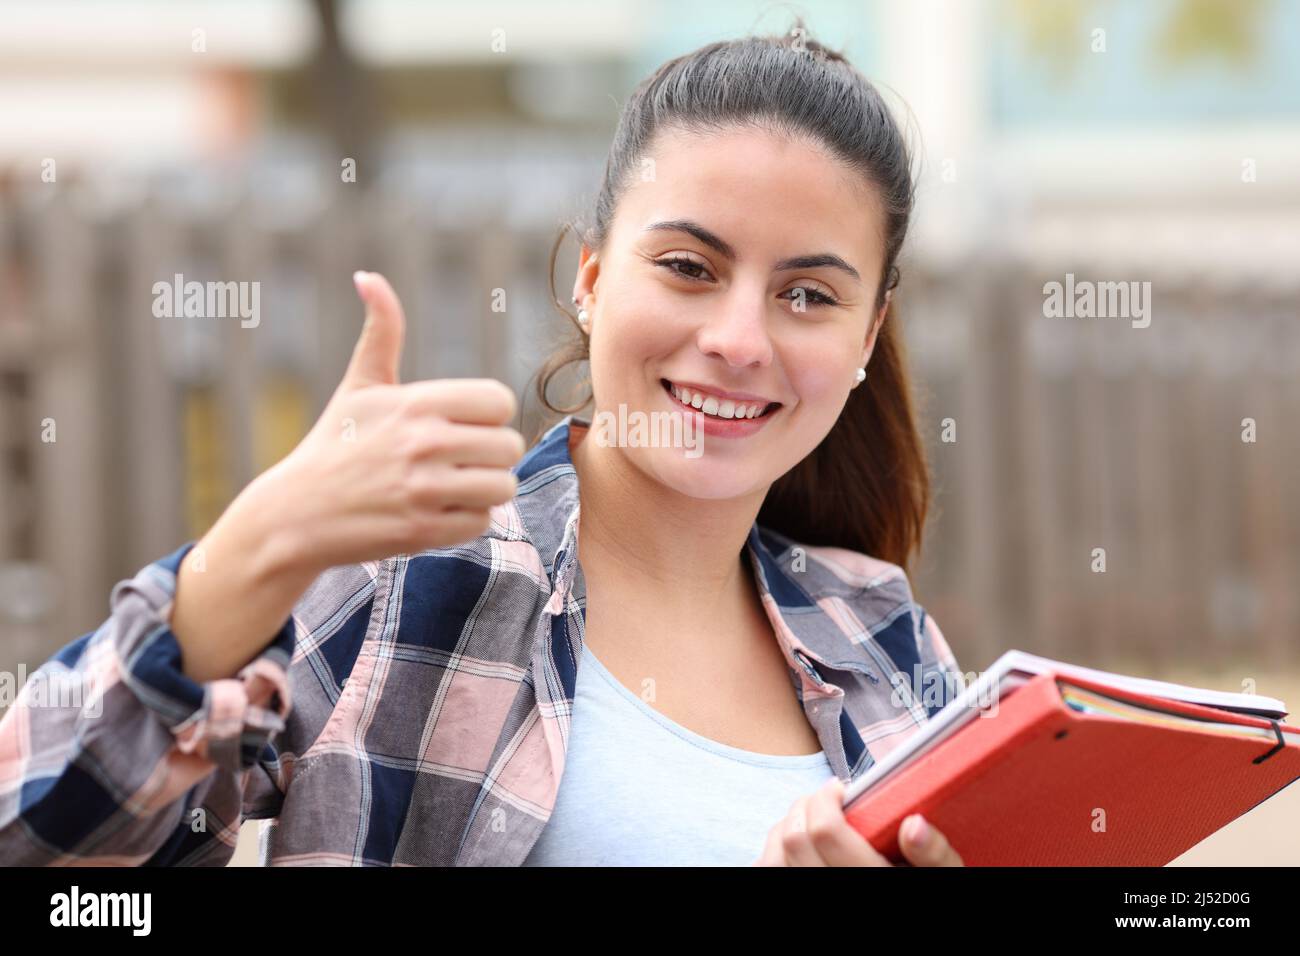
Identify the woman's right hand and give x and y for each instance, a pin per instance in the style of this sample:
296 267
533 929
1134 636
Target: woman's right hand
391 468
387 469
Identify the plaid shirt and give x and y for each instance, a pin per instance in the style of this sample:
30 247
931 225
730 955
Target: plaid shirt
413 711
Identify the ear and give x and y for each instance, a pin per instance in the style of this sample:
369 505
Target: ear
584 284
877 321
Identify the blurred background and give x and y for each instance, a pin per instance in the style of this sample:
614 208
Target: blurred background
289 142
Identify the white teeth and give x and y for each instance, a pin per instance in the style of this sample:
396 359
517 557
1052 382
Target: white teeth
720 408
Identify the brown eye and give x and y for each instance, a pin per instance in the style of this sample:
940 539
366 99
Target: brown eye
815 296
671 263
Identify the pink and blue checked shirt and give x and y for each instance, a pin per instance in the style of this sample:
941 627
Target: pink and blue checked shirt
413 711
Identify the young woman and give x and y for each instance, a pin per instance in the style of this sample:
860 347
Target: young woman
458 675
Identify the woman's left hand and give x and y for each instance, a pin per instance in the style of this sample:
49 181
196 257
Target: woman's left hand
815 833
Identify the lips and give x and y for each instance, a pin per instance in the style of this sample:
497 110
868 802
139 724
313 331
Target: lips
719 404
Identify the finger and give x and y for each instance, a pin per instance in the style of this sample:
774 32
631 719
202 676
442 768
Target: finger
796 847
771 855
485 446
476 489
471 401
460 525
378 351
834 840
923 845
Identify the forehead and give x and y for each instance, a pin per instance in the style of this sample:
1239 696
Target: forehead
761 191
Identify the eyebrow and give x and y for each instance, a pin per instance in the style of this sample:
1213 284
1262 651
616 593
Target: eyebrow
724 248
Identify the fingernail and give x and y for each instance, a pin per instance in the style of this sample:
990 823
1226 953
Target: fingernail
918 830
359 280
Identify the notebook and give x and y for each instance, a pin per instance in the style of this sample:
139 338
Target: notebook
1043 763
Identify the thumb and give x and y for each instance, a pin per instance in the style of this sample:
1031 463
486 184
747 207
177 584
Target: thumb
378 351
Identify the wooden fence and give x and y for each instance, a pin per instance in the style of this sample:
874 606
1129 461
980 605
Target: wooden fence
1070 435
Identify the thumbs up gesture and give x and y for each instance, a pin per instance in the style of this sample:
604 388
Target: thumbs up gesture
392 468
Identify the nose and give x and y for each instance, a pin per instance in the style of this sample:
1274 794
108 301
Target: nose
737 331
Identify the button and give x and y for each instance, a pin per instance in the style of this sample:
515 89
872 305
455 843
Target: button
807 666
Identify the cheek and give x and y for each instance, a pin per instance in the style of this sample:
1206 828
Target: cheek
818 373
629 331
637 323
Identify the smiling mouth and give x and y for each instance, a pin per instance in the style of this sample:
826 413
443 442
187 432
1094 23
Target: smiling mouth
724 410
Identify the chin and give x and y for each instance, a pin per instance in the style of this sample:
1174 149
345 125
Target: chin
700 477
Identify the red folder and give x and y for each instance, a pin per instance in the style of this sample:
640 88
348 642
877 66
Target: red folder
1043 784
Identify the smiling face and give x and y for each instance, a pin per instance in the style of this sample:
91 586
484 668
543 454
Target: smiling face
746 267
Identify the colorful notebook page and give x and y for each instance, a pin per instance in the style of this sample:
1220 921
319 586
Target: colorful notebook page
1090 702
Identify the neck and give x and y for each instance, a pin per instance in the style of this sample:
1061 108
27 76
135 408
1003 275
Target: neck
653 548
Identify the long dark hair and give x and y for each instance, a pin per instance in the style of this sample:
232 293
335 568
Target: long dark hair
866 487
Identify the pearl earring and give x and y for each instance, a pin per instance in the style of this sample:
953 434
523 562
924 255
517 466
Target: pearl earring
859 376
584 319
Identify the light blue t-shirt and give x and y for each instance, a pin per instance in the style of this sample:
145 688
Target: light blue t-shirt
639 789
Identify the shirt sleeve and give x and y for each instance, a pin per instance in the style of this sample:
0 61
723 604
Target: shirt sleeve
111 755
941 678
